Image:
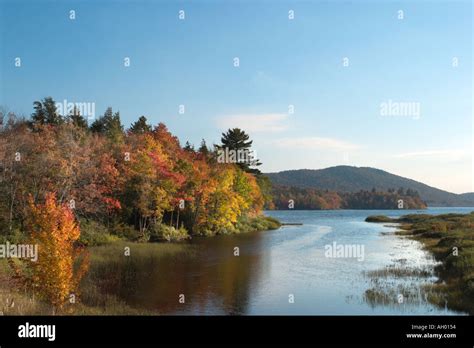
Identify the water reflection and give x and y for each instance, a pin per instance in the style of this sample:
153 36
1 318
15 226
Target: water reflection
212 279
271 265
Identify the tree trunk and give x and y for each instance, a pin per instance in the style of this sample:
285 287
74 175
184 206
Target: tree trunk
177 219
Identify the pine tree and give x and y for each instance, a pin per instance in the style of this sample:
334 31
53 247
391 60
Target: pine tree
110 125
77 119
203 149
236 139
141 126
46 113
188 147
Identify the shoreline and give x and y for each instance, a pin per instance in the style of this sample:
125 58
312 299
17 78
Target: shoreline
449 238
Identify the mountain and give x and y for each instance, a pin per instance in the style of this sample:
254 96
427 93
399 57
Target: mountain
354 179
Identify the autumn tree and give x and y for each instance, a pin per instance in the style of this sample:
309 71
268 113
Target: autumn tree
142 177
52 227
152 182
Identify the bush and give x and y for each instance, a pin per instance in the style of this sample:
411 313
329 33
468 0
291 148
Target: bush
271 223
439 226
379 218
161 232
125 231
259 223
94 233
14 237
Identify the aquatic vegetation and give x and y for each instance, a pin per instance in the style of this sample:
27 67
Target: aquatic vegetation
450 238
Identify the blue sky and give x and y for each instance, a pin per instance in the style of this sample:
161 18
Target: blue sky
337 115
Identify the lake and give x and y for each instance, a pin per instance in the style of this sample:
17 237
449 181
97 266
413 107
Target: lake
285 271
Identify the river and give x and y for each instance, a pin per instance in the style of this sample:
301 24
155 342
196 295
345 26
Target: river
285 271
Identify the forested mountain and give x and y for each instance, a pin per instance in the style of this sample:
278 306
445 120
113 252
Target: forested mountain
355 179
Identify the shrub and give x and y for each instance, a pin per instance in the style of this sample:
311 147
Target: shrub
439 226
379 218
259 223
94 233
161 232
14 237
125 231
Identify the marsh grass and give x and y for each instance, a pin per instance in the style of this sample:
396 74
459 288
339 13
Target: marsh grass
400 272
383 295
106 264
450 239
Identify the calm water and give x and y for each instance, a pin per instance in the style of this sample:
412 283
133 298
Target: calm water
274 264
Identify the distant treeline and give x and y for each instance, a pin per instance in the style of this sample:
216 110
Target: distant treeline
288 197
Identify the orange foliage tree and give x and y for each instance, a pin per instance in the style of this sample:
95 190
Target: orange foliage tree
53 229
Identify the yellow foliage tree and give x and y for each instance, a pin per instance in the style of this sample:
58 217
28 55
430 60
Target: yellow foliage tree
53 229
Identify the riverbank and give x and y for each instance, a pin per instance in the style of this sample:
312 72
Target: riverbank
450 239
114 259
96 234
91 300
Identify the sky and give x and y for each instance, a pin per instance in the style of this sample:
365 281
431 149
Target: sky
384 84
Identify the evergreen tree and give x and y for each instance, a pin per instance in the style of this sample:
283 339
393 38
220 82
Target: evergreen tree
77 119
188 147
38 116
110 125
236 139
141 126
46 113
203 149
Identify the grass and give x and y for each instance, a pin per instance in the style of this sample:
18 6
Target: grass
255 224
399 272
109 266
450 238
106 262
379 218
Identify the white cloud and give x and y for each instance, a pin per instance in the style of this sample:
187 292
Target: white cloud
433 154
254 122
316 143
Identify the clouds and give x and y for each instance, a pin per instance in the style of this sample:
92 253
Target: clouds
278 122
255 123
451 154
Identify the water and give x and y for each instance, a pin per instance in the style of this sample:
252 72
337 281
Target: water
274 266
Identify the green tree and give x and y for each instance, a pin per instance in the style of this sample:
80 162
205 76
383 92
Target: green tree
203 149
188 147
141 126
110 125
237 140
46 113
77 119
